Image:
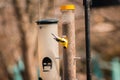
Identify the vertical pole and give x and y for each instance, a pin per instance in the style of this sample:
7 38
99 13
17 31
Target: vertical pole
87 36
68 28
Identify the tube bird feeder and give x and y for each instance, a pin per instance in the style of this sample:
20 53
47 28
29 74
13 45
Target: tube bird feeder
69 53
48 49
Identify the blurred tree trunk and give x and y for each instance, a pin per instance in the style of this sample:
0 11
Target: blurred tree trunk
18 36
46 8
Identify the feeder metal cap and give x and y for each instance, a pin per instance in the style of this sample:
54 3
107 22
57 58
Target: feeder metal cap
47 21
68 7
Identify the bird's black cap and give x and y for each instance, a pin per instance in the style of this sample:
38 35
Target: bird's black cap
47 21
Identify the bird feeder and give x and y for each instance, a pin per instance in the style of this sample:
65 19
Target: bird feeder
48 49
69 53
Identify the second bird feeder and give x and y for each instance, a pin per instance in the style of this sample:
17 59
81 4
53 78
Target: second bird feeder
48 49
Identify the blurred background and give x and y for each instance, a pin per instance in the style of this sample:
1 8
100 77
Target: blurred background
18 37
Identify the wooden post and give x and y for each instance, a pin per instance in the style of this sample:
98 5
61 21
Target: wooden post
68 29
